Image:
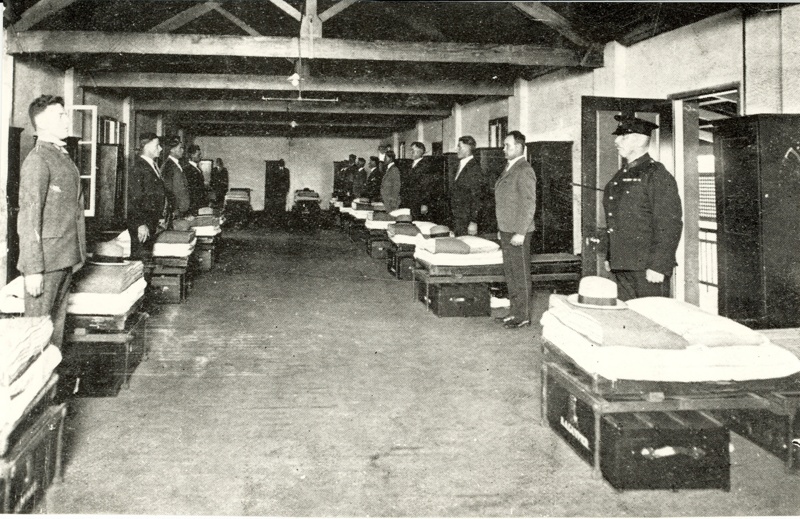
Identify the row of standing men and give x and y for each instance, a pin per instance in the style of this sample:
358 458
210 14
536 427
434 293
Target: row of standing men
461 205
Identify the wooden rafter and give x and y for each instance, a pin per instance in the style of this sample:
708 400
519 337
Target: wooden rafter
39 11
237 21
184 17
343 124
212 105
335 9
288 9
541 13
279 83
89 42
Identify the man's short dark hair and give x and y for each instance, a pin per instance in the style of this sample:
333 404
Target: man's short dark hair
519 138
352 158
374 159
418 145
361 161
390 155
40 104
194 148
281 163
469 141
145 138
172 141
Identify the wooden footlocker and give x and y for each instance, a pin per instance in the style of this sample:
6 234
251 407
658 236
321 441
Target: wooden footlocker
100 364
378 244
471 300
169 284
400 261
33 463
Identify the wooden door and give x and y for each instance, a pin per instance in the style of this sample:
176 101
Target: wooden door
600 161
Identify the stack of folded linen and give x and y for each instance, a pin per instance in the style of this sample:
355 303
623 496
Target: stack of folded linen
238 195
461 251
106 278
362 204
378 206
106 285
26 363
208 211
175 244
202 225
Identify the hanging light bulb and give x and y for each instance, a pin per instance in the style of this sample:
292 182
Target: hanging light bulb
294 79
294 124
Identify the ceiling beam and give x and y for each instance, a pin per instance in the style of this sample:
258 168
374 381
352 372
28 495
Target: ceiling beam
184 17
335 9
96 42
38 12
214 122
237 21
541 13
288 9
125 80
213 105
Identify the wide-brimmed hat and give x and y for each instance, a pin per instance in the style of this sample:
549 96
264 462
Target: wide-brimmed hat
108 253
597 292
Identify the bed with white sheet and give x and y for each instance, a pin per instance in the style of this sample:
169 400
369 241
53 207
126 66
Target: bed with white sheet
12 299
662 340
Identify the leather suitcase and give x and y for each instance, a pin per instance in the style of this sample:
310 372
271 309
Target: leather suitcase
652 450
400 261
458 300
377 248
169 285
33 463
766 429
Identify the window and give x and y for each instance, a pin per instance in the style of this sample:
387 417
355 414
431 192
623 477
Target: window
84 126
498 130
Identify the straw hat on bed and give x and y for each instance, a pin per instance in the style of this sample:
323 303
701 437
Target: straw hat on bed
108 253
597 292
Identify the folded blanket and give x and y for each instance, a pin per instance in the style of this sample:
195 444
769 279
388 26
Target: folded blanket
478 244
377 224
405 229
174 250
622 327
398 212
22 339
107 279
695 325
207 230
203 221
175 237
445 246
382 216
16 397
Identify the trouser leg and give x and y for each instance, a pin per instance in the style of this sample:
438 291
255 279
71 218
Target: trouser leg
52 302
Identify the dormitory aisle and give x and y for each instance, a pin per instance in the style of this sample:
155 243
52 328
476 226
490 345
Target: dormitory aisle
299 379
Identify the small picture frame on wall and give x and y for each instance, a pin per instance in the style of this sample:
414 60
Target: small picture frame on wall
401 153
498 130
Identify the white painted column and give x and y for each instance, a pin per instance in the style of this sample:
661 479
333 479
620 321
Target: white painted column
6 119
421 131
457 125
160 124
396 144
679 277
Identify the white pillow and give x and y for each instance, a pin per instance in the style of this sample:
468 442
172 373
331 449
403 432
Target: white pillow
478 244
398 212
425 227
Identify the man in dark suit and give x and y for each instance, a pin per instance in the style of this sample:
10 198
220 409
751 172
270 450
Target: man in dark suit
147 196
219 182
198 196
372 187
390 184
469 189
427 198
175 178
360 179
515 206
643 215
51 227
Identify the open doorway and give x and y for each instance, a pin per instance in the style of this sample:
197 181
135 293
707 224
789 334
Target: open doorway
700 111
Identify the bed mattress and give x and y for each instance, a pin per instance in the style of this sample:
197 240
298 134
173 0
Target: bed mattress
207 230
22 339
106 304
706 348
361 214
378 225
459 260
403 239
174 250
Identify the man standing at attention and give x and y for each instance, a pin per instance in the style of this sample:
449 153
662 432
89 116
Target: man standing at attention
515 205
175 178
52 237
147 196
643 215
468 189
198 196
390 185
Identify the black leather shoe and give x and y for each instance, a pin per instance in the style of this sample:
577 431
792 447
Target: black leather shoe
505 319
516 323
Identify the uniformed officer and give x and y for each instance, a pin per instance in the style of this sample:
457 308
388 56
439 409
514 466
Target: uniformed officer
643 215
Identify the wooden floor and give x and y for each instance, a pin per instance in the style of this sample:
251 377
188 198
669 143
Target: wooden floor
299 379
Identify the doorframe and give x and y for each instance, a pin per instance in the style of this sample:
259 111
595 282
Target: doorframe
590 105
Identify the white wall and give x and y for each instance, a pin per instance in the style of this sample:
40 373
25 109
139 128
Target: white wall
476 115
32 79
310 160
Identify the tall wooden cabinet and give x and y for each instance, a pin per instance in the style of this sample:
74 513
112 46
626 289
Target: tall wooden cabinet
757 161
12 201
552 162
